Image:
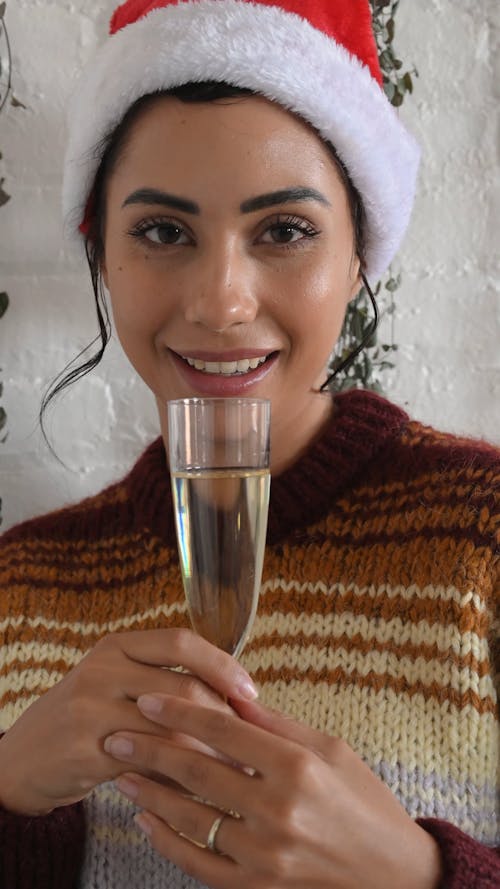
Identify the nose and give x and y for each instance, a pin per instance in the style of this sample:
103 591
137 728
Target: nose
220 291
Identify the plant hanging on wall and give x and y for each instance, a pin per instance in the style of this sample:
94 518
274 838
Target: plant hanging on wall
5 94
4 197
367 370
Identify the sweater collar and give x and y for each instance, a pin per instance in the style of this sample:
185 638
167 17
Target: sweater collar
360 425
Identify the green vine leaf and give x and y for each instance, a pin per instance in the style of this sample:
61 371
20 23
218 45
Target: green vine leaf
397 83
4 303
4 197
408 82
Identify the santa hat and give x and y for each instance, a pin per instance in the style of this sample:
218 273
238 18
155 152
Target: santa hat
317 58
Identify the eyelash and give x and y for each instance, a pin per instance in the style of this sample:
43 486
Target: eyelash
140 230
297 224
281 221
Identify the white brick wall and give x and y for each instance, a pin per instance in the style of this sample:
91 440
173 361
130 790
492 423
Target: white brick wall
448 316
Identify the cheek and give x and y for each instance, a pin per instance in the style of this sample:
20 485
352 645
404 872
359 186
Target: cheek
320 306
139 305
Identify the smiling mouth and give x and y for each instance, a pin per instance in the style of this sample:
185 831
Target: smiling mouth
227 368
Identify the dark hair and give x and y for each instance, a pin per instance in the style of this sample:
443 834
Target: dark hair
110 150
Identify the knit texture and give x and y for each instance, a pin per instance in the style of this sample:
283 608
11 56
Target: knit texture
378 622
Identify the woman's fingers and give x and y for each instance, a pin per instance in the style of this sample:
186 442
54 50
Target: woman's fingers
132 720
283 726
59 738
209 868
196 772
187 816
280 839
181 647
139 679
238 741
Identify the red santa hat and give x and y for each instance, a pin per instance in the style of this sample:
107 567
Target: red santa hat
316 58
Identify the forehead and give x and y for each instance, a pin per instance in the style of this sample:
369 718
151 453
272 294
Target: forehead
239 141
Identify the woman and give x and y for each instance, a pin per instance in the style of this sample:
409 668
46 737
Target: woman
233 199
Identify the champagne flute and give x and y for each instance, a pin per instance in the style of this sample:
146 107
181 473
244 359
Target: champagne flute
219 467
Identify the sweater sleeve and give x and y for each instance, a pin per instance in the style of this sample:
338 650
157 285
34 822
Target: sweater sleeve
45 852
467 864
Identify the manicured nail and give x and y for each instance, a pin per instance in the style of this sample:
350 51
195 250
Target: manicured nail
246 689
118 746
143 823
150 704
127 787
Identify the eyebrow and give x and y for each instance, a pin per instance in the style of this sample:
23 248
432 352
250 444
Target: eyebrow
272 199
161 198
284 196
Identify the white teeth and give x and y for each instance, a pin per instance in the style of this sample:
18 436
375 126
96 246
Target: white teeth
226 368
229 367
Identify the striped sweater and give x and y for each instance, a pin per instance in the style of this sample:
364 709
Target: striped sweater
377 622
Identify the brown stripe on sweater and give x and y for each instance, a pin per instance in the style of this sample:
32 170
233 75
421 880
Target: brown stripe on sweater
392 564
383 566
376 683
105 569
270 605
262 642
416 433
52 552
444 612
463 480
392 558
63 635
410 526
94 605
450 510
85 608
337 677
357 643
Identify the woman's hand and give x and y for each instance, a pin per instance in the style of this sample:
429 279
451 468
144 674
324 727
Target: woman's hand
54 754
311 812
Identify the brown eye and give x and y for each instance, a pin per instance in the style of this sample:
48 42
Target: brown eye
285 234
288 230
166 233
158 232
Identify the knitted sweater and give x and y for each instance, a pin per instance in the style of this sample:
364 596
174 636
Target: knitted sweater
377 622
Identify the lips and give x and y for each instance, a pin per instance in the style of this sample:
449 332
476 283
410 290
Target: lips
231 374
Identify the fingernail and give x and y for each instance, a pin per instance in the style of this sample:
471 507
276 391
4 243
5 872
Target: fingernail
247 689
118 746
150 705
127 787
144 824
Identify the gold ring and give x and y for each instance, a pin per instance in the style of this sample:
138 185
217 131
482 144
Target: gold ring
213 832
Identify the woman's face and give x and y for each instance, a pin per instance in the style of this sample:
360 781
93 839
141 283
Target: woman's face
229 258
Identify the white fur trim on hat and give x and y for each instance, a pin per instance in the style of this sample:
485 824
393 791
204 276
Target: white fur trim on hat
277 54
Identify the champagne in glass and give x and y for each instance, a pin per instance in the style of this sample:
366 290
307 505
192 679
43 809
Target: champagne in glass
219 465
